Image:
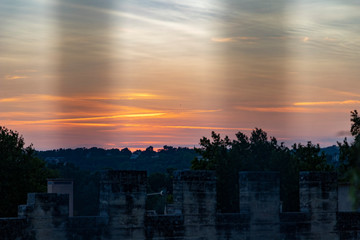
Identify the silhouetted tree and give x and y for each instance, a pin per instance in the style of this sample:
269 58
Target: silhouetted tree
126 151
21 172
256 153
349 167
310 158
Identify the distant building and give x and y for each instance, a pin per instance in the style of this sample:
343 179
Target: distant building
63 186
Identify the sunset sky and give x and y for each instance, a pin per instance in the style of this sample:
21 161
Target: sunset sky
135 73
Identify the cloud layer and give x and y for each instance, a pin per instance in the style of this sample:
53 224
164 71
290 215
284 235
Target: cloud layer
137 73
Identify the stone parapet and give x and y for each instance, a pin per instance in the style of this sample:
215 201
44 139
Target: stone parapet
195 216
122 203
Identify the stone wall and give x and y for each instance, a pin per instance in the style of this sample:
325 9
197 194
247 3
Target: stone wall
260 198
15 228
86 228
164 227
345 203
347 225
47 214
233 226
319 198
195 196
122 211
122 203
62 186
295 225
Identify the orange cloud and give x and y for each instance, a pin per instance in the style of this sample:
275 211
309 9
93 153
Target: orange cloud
140 142
234 39
327 103
81 106
23 114
91 124
34 98
127 96
222 40
300 107
14 77
247 38
345 93
152 127
10 99
205 111
206 128
44 97
274 109
280 38
110 144
47 121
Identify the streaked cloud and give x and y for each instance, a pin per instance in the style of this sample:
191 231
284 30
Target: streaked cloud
13 99
141 127
91 124
281 109
44 97
223 40
211 128
207 128
306 39
46 121
235 39
346 102
117 73
329 39
15 77
343 133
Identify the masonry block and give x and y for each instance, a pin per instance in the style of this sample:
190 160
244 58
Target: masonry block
122 202
260 198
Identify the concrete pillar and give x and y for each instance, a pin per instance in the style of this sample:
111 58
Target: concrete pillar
319 197
122 202
260 198
62 186
345 202
195 196
47 214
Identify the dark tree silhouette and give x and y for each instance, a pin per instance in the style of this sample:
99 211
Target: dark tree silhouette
20 172
349 167
310 158
256 153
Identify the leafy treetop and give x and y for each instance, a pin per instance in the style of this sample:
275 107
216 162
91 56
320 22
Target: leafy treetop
20 172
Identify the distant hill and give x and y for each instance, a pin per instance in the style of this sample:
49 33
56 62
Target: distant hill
94 159
332 154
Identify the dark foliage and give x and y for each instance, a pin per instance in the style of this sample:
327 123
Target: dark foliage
310 157
95 159
160 183
349 167
21 172
256 153
86 188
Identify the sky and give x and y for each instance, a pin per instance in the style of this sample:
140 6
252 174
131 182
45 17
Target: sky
135 73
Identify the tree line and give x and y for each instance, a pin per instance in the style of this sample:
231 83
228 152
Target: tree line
258 152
